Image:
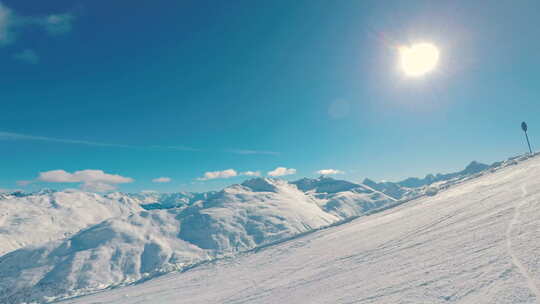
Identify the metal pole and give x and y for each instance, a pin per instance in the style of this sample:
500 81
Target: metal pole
528 143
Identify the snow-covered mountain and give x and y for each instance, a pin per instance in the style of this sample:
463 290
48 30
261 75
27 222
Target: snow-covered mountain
30 219
119 250
414 187
243 216
155 200
128 246
71 242
474 243
342 198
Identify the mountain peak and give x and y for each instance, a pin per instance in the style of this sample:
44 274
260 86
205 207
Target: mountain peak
474 167
262 184
324 184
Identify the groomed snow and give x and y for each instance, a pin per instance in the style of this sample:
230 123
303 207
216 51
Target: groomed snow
477 242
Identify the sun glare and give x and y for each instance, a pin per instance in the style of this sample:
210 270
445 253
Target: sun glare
418 59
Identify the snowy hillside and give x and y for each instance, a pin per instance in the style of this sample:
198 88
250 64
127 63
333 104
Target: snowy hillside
30 219
342 198
476 242
155 200
131 247
414 187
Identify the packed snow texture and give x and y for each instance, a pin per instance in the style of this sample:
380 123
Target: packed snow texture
476 242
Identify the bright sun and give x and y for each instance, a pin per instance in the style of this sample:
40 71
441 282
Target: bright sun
418 59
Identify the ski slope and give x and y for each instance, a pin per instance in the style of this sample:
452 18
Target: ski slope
476 242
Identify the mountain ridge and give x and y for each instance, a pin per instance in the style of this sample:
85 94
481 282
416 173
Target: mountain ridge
134 243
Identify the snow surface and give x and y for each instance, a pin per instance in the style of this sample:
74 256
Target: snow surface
32 219
475 242
126 249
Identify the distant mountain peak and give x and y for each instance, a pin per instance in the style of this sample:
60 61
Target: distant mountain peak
413 185
263 184
324 184
475 167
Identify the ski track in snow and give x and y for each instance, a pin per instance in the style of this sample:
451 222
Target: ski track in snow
515 260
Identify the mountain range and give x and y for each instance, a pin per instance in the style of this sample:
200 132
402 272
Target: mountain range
58 244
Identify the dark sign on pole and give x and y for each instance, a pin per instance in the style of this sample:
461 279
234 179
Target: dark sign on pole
524 128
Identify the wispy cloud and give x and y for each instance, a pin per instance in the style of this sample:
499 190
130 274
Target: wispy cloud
329 172
176 148
6 23
250 152
11 23
281 171
26 137
162 180
91 180
57 24
18 136
27 56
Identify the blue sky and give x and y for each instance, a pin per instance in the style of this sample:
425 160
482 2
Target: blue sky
177 89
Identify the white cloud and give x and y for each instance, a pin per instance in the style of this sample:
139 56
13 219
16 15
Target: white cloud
58 23
92 180
27 56
329 171
56 176
162 180
100 176
282 171
6 25
218 174
11 22
82 176
251 173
